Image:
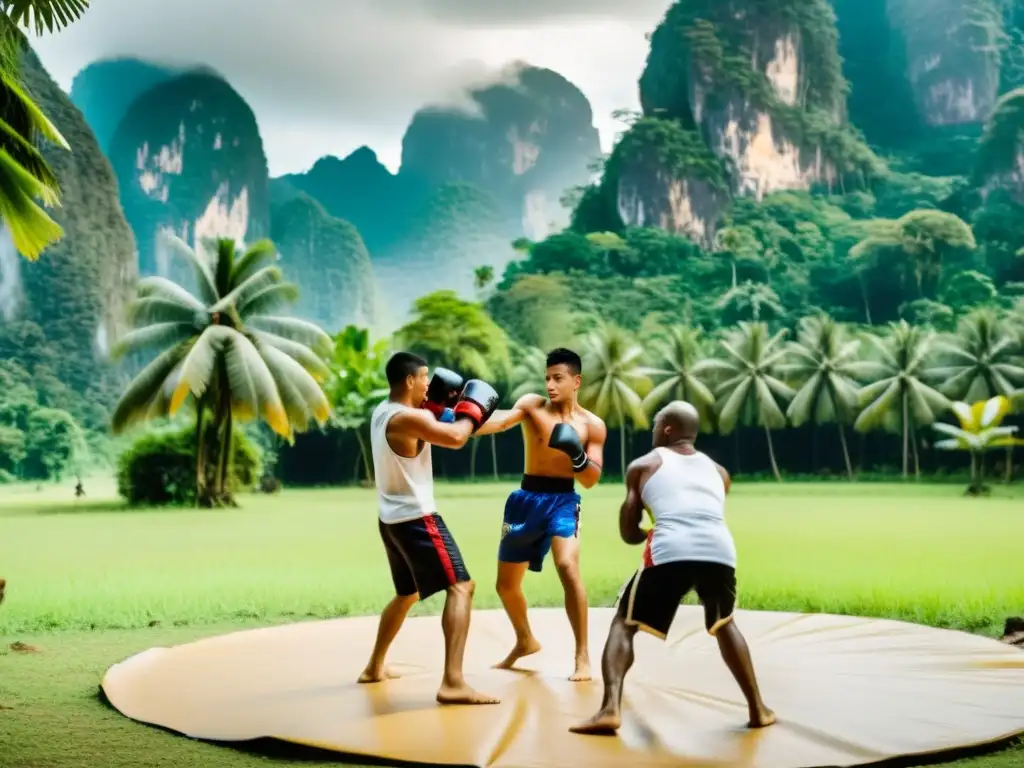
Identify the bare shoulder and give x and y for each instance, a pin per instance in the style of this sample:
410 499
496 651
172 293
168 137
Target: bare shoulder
595 423
642 465
531 402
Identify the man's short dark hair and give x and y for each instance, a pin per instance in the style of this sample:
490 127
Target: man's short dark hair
563 356
401 365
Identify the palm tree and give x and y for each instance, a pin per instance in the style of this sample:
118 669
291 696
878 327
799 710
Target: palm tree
982 360
675 356
613 381
749 390
27 183
529 373
825 363
900 398
223 347
750 301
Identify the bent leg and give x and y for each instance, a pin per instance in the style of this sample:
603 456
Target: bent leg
615 663
736 655
566 552
455 625
396 538
716 588
390 622
510 590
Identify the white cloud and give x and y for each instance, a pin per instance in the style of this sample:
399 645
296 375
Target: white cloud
325 77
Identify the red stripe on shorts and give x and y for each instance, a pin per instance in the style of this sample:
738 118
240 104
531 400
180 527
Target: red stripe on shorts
442 551
648 557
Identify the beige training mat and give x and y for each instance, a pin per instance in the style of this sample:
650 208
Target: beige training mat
847 691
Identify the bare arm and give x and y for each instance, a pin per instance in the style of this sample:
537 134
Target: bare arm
725 477
502 420
423 425
632 509
595 452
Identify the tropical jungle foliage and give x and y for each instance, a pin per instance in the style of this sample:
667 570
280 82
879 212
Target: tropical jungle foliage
224 348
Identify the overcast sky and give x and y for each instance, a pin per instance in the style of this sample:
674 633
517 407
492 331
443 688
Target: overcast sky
327 76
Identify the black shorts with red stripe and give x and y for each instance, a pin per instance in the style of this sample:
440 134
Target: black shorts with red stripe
423 556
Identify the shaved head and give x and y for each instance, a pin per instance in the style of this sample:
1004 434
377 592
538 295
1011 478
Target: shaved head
677 421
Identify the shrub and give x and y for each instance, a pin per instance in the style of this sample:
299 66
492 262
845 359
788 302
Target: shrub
160 467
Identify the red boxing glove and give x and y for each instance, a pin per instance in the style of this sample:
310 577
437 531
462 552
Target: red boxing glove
470 410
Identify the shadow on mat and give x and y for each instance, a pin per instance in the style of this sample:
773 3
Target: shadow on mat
276 749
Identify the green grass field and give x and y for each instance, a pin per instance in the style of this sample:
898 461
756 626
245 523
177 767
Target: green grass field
91 583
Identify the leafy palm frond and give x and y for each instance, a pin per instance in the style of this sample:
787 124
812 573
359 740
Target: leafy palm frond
304 400
197 370
253 388
160 335
675 357
134 404
256 256
252 285
294 329
300 353
30 227
269 299
205 280
45 15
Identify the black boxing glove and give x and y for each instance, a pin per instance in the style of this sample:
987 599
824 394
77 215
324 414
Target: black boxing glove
477 402
567 440
442 393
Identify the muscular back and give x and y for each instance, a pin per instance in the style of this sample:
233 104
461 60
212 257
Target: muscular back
540 420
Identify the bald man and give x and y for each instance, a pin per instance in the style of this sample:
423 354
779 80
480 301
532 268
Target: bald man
689 548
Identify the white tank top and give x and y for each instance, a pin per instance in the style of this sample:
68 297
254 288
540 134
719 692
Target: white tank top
405 487
686 496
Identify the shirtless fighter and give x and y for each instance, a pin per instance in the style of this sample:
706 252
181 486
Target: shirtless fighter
544 513
690 547
422 554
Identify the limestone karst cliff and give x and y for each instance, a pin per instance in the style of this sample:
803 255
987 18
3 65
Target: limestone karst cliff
105 89
189 158
79 288
531 139
749 99
326 257
360 190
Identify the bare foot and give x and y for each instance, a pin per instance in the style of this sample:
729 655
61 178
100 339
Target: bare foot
602 724
761 718
582 673
371 675
523 648
463 694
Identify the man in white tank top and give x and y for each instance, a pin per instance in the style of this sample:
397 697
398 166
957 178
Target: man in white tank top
423 557
689 548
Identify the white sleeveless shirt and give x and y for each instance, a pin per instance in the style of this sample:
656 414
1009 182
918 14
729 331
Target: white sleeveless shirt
405 487
686 496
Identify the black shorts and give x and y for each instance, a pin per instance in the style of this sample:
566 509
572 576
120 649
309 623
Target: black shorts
650 598
423 556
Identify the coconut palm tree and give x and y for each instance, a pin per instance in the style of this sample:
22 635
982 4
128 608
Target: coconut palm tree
982 360
674 357
900 398
225 348
614 381
749 390
751 302
27 183
529 373
824 364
